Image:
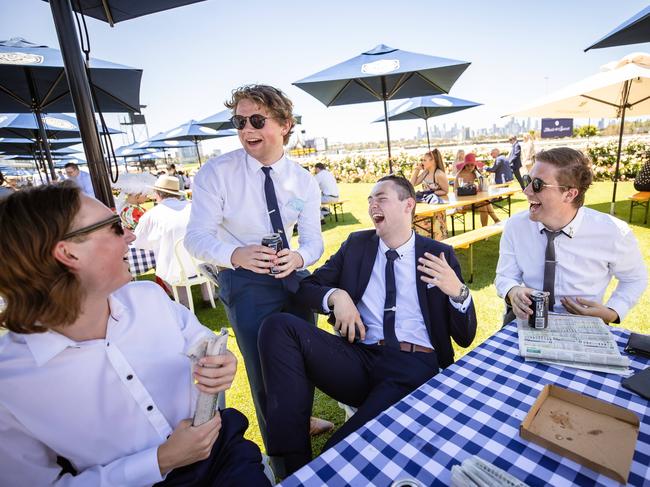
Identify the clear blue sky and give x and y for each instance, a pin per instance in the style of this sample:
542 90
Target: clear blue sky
194 56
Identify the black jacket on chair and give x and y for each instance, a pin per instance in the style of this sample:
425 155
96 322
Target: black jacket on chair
350 269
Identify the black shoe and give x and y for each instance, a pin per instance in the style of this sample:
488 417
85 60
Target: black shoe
322 221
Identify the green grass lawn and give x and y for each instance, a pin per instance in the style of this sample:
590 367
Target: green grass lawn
489 307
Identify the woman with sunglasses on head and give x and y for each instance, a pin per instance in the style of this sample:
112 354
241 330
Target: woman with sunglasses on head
239 199
95 384
565 249
431 174
468 174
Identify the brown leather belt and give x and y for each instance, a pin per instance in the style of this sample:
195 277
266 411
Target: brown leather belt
410 347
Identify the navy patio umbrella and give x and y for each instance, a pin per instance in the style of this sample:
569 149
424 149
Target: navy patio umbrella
382 74
193 132
64 22
35 78
56 125
426 107
634 30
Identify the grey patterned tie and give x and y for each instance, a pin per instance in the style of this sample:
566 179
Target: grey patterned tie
549 266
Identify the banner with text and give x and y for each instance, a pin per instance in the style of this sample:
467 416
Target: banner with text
553 128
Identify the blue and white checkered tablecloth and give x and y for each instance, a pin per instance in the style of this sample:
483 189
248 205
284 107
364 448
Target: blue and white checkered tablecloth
140 260
475 407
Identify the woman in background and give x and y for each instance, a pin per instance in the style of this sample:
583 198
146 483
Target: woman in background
430 173
528 152
468 173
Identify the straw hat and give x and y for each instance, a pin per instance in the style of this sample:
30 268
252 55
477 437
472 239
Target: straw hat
469 159
168 184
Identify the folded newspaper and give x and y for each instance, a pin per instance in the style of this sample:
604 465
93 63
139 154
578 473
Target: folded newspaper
206 404
582 342
476 472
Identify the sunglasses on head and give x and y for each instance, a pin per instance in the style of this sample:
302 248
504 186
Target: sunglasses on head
114 221
256 120
538 184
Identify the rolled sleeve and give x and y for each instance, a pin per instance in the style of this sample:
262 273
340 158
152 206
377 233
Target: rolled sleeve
631 273
508 273
201 237
310 240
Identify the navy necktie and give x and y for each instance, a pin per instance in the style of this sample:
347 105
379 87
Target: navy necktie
549 266
390 339
272 207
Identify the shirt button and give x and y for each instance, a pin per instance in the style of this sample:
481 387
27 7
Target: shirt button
108 344
149 408
129 377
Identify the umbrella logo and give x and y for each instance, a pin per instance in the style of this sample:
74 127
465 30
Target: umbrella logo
443 102
20 58
58 123
3 118
380 67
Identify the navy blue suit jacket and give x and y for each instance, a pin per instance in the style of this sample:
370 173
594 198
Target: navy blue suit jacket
501 169
350 269
515 156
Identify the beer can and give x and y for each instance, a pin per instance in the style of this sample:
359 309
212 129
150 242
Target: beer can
273 241
539 318
407 482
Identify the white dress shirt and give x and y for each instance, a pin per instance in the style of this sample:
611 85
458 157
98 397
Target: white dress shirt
409 322
327 183
229 207
594 248
85 183
106 404
159 229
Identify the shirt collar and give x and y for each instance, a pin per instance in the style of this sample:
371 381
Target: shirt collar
401 250
45 346
571 228
256 166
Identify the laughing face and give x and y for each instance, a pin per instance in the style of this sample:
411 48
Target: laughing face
265 144
552 206
389 214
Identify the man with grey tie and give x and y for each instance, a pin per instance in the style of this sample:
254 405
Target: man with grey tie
396 298
242 196
570 251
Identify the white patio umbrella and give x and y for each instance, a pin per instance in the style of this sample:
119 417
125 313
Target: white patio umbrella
621 88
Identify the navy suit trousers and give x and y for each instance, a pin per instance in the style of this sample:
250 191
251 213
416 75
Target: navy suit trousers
296 357
249 298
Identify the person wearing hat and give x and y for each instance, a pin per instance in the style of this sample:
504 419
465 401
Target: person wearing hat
134 191
161 227
515 160
468 173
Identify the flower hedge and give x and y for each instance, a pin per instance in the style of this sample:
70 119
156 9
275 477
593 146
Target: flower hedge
368 168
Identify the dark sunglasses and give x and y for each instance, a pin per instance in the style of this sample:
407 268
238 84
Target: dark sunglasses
114 221
538 184
256 120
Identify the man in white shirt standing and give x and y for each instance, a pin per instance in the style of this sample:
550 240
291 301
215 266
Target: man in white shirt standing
400 295
570 251
239 198
80 178
95 384
161 227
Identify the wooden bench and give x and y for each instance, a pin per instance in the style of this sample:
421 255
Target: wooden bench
641 199
337 206
468 239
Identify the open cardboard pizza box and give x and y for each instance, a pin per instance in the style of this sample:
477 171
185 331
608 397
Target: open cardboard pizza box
589 431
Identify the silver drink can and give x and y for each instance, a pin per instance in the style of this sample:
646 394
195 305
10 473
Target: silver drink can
407 482
539 318
273 241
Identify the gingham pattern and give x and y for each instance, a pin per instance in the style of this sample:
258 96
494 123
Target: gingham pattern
475 407
140 261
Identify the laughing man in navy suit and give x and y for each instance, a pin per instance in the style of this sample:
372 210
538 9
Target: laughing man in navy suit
395 297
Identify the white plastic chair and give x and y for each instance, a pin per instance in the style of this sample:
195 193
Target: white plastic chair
189 277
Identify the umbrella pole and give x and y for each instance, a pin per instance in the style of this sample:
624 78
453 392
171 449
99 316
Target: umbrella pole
80 92
426 124
626 94
383 96
198 152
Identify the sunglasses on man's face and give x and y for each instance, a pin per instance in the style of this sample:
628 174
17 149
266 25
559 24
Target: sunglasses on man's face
256 120
538 184
114 222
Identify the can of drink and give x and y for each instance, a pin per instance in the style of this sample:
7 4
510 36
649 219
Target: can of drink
273 241
407 482
539 318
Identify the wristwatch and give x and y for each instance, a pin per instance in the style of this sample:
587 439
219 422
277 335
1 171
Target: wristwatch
464 292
